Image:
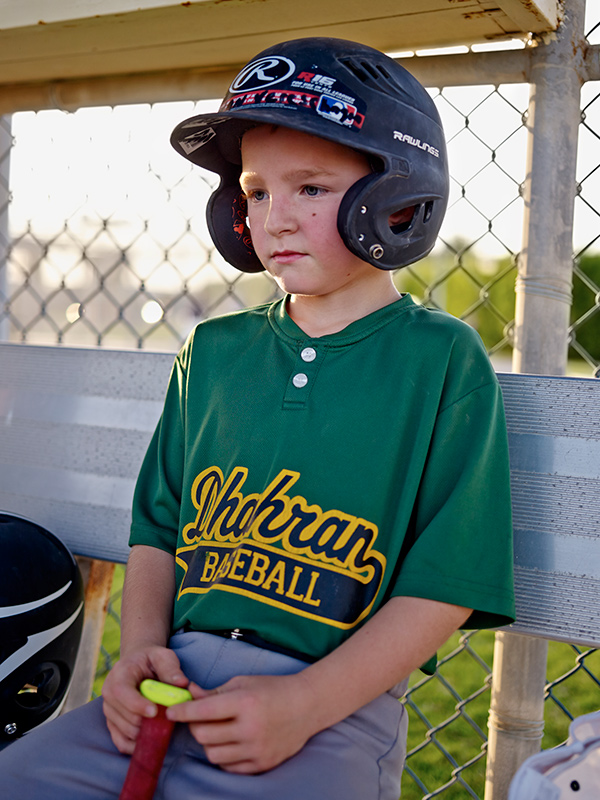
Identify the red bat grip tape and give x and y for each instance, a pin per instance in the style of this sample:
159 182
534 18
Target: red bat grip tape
152 742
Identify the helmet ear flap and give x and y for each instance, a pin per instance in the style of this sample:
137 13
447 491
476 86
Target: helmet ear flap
349 210
226 218
364 221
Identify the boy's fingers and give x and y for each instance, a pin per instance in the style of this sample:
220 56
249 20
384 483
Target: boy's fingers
213 734
225 755
126 698
197 691
167 668
122 742
212 707
121 715
127 728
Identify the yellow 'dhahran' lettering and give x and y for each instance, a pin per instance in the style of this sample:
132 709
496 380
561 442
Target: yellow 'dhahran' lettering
226 515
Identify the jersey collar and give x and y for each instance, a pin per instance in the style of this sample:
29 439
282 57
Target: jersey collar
285 326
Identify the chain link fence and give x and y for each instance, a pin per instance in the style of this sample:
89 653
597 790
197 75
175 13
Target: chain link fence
103 242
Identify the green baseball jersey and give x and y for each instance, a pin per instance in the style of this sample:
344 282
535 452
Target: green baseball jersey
301 482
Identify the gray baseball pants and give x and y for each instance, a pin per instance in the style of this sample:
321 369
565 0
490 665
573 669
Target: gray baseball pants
73 758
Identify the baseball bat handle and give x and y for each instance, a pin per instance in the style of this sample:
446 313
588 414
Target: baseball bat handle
152 742
146 762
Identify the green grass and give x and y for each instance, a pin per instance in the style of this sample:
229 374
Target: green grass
112 631
579 694
464 674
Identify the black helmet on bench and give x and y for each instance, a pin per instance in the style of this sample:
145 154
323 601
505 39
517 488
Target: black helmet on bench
41 617
350 94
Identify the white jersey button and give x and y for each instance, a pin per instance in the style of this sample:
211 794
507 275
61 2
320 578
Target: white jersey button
308 354
300 380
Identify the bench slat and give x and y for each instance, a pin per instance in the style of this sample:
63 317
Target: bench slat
74 426
554 440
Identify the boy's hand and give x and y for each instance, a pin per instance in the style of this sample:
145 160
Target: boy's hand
123 705
251 723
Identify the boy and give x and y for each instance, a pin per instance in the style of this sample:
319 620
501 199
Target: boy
325 499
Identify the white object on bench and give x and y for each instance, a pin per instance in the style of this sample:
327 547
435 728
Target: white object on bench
75 423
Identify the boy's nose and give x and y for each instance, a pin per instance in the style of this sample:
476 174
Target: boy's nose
280 218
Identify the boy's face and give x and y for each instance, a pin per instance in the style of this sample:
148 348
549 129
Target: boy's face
294 183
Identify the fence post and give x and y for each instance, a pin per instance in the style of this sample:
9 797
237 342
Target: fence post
5 146
543 301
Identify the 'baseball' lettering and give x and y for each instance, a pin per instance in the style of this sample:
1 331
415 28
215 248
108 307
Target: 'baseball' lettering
245 566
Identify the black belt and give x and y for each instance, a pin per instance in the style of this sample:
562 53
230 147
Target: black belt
254 639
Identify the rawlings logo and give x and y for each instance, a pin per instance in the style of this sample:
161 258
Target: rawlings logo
406 137
262 73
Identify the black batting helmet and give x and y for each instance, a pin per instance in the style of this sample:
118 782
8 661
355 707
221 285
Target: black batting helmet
41 617
350 94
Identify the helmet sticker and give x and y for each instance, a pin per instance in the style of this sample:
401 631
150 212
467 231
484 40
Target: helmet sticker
339 111
203 132
270 98
262 73
314 82
196 123
196 140
339 108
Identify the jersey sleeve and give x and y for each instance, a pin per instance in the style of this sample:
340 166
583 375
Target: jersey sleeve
460 544
157 496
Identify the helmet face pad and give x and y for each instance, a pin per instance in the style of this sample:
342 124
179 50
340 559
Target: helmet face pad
350 94
226 217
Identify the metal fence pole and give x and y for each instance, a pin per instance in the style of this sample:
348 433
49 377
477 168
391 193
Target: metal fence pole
5 146
543 290
543 300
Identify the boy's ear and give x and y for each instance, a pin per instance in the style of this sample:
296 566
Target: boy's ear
226 217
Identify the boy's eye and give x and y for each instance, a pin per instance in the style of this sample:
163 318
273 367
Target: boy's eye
256 195
312 191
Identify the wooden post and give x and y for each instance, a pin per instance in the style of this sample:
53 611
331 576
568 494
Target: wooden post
98 577
516 722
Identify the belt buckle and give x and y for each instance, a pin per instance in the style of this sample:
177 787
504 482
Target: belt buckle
235 634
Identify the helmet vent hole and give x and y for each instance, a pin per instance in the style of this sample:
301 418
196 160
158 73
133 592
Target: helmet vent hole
401 221
428 211
41 689
370 69
376 77
356 69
